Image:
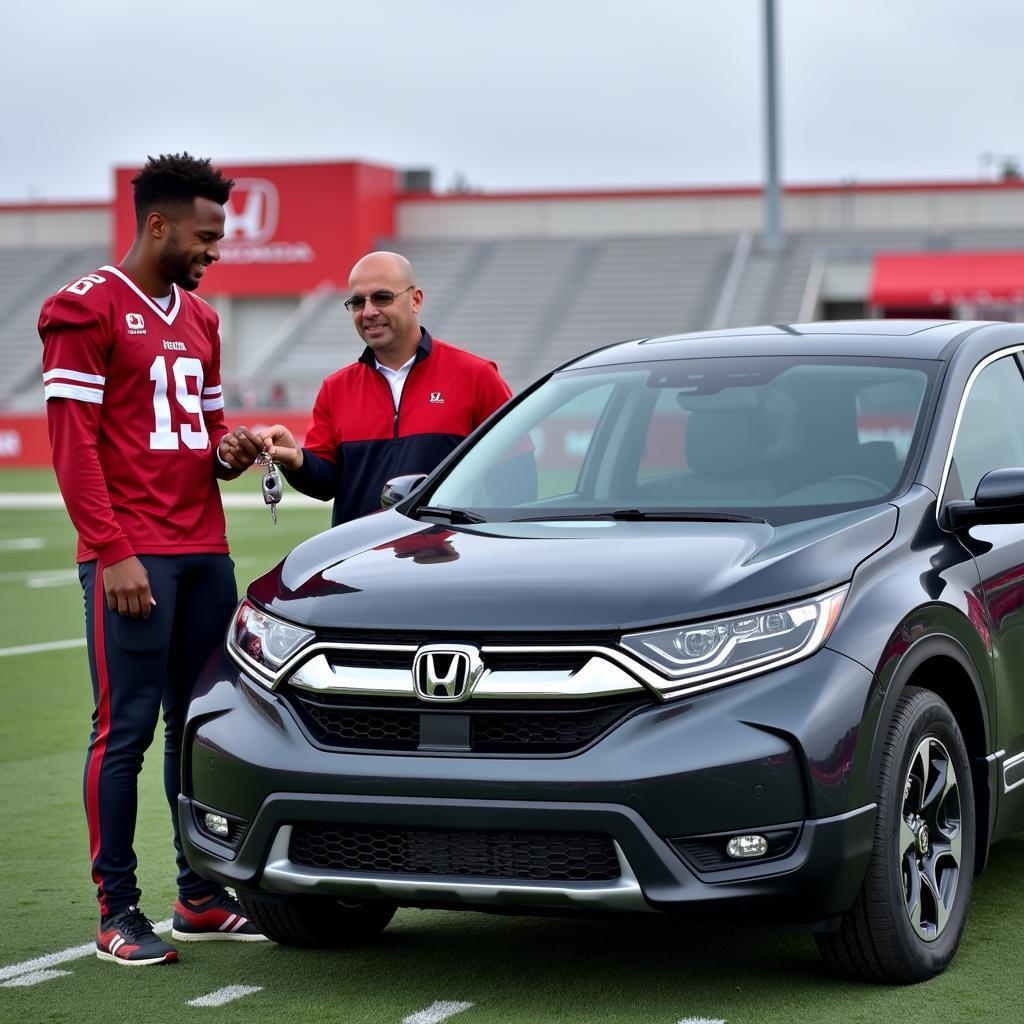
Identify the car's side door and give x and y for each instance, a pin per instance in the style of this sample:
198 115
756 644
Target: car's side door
991 436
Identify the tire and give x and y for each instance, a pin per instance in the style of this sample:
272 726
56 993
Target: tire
316 922
906 923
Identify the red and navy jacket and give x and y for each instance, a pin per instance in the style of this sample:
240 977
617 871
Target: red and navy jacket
357 439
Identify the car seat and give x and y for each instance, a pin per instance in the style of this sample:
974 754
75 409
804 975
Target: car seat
724 453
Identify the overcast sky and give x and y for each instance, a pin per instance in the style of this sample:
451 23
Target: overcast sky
516 95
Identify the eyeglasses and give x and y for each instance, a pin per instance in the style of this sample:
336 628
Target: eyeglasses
379 299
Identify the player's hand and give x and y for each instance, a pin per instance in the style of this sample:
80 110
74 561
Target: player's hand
240 448
127 587
281 446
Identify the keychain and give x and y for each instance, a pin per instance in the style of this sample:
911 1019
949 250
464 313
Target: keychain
271 484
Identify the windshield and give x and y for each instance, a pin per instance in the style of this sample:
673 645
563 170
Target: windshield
777 438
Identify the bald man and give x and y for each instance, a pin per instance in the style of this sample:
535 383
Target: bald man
399 409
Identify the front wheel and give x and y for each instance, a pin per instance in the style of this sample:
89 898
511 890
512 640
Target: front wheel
316 922
907 920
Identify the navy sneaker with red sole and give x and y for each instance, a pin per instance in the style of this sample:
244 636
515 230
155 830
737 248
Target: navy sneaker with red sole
220 918
128 939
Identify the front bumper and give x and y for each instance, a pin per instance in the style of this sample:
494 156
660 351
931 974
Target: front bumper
764 753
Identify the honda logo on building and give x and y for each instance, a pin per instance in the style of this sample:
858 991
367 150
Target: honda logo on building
250 214
446 672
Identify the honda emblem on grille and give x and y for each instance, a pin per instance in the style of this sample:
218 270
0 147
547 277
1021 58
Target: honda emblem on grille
446 672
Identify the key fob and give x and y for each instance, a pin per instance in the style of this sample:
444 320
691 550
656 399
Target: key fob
271 485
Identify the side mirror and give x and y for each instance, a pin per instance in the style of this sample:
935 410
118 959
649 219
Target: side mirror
399 488
998 499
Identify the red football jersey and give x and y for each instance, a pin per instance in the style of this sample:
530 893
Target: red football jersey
135 412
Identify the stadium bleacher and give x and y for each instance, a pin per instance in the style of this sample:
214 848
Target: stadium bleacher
533 304
29 275
529 304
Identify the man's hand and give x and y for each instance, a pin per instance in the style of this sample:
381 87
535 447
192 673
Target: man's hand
239 449
281 446
127 587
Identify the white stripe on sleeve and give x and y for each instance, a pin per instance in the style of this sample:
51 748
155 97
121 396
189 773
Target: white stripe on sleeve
84 378
94 395
210 404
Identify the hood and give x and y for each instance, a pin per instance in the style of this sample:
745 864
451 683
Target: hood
388 572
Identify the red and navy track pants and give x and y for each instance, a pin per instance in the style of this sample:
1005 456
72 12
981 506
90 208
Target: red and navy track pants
137 667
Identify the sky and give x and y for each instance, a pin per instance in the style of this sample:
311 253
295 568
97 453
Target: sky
518 96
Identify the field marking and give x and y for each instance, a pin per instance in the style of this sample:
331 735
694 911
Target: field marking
34 978
41 963
32 500
225 995
52 499
25 575
436 1012
702 1020
53 645
41 582
22 544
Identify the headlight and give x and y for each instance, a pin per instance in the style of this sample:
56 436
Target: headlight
263 640
740 645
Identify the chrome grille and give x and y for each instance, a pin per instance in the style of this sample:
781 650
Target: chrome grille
523 700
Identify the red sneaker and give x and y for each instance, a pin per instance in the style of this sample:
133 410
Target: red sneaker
128 939
219 918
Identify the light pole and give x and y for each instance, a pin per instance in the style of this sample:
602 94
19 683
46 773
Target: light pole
772 192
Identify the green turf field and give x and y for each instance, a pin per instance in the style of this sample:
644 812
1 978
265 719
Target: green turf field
427 965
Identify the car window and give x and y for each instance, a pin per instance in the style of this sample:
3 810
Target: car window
991 433
662 451
776 437
885 413
542 455
561 443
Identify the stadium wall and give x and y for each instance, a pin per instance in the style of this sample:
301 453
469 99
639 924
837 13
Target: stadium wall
56 225
929 208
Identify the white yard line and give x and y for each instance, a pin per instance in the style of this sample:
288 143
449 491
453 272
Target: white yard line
41 963
702 1020
43 582
53 645
22 544
32 499
27 575
34 978
436 1012
225 995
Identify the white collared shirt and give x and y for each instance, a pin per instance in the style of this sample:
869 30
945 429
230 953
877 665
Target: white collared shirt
396 378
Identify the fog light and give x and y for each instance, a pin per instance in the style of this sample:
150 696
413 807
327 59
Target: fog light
216 824
742 847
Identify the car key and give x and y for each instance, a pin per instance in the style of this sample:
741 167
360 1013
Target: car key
271 487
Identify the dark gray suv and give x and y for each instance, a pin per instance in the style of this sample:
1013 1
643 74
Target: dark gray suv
728 626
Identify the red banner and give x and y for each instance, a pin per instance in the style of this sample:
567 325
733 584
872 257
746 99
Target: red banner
289 227
24 440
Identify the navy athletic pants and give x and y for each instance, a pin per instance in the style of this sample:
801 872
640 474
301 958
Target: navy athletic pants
137 666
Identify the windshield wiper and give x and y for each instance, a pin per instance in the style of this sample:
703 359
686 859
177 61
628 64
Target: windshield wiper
453 515
652 515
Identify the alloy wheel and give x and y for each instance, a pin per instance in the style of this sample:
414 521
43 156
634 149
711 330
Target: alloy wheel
930 838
